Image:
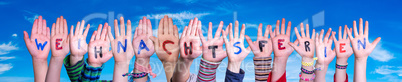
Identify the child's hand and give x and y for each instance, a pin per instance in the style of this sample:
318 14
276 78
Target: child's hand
38 44
324 52
306 44
122 47
143 46
190 41
167 44
360 43
78 44
99 47
281 39
213 48
263 46
59 42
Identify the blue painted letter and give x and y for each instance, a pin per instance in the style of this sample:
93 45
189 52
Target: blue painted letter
325 51
359 43
124 47
40 44
142 46
238 52
79 43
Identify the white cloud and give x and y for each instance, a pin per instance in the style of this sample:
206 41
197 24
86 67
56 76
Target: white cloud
6 58
387 70
14 35
381 54
5 67
7 48
32 16
391 78
16 79
177 17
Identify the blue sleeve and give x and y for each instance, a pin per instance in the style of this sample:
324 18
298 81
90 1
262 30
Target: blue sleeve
234 77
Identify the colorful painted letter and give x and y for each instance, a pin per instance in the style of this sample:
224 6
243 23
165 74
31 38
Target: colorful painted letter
280 43
361 44
325 51
58 47
121 45
39 45
164 47
238 52
306 44
213 50
261 44
188 49
142 46
96 52
342 48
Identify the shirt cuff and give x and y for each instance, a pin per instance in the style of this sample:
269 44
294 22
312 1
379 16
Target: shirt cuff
234 77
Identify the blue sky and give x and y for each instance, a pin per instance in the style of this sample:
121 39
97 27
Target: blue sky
384 17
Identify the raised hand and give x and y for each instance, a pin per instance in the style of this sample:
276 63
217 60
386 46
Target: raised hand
122 47
360 43
59 42
342 46
190 41
323 48
235 47
306 47
38 47
78 44
99 52
213 48
143 46
167 43
280 40
263 46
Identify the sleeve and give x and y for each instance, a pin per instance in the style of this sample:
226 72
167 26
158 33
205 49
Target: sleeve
207 71
262 67
344 81
91 74
73 71
282 79
234 77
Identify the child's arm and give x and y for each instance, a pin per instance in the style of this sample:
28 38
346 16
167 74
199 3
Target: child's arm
122 49
38 47
167 45
262 49
236 52
362 49
59 44
324 53
343 52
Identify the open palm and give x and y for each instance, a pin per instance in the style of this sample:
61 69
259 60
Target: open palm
360 43
101 43
306 44
235 45
40 35
325 54
280 40
216 42
78 44
167 44
263 46
142 34
59 42
190 41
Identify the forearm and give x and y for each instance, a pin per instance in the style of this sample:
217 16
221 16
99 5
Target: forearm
262 67
143 62
40 69
74 59
320 74
309 68
169 67
360 69
234 66
182 70
53 73
278 67
340 74
120 68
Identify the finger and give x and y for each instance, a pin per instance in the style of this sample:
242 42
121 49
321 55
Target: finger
218 31
71 31
184 32
48 32
39 28
189 27
283 26
129 31
166 25
350 35
170 26
297 33
210 31
302 30
44 27
327 35
201 36
321 34
272 33
116 28
150 28
53 29
195 26
86 30
242 32
122 27
144 26
82 27
307 31
61 26
65 31
35 27
230 32
93 36
155 41
355 28
366 29
97 37
331 39
314 34
110 35
333 36
136 32
259 30
140 27
266 34
288 29
345 32
104 31
250 43
160 27
361 26
236 30
26 38
57 31
277 28
340 32
293 45
375 42
316 39
76 32
176 31
224 38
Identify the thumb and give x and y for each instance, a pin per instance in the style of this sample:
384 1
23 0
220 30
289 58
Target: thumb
155 40
26 38
375 42
250 43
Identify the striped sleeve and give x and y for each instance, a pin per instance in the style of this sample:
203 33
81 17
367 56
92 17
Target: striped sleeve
262 66
91 74
73 71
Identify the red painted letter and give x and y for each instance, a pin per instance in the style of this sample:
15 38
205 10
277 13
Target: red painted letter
280 43
342 47
58 43
164 47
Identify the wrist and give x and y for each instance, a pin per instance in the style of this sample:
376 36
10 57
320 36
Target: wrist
234 66
93 64
342 61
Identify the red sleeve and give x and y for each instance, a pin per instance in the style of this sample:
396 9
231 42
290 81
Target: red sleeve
345 80
282 79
